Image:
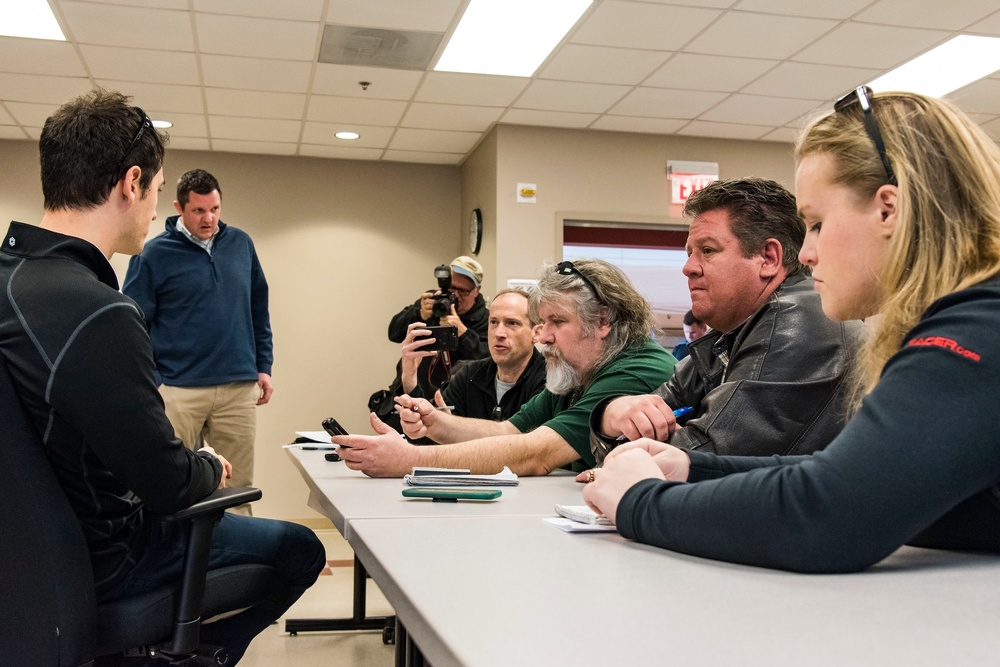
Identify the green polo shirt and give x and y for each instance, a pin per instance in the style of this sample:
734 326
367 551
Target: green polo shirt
639 369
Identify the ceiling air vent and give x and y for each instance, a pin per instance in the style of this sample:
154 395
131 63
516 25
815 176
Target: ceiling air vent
372 47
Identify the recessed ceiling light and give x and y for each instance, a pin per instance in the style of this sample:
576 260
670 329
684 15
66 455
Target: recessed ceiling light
29 18
509 37
350 136
162 124
956 63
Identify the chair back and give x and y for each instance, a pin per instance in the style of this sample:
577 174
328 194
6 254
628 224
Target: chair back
47 608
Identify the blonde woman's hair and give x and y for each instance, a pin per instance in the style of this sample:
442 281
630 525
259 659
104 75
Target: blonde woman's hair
947 233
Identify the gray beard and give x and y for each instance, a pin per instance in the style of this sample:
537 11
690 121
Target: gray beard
560 377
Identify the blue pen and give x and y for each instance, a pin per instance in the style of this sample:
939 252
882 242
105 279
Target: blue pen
679 412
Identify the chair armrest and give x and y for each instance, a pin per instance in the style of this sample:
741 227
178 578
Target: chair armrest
217 501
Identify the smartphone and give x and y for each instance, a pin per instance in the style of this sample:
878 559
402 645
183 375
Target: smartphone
445 338
452 495
333 427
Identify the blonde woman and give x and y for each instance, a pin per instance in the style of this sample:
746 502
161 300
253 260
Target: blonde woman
900 195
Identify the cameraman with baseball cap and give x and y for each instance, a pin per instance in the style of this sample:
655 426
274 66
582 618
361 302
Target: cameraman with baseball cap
466 311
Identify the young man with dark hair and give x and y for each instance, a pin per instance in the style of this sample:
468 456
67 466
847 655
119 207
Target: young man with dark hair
82 363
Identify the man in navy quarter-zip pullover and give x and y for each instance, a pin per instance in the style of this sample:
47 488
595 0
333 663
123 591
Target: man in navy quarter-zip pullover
203 296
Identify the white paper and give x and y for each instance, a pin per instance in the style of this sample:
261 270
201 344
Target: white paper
571 526
315 436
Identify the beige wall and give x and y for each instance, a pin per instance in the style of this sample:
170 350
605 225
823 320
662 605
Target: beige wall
605 176
346 244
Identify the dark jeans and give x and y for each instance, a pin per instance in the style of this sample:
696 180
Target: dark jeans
295 552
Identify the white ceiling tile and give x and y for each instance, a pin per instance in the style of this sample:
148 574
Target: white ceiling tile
164 97
42 89
296 10
758 35
423 157
476 89
634 25
992 128
185 124
698 72
547 118
982 118
12 132
664 103
6 118
110 62
988 26
601 64
867 45
259 38
254 147
981 96
754 110
30 114
700 128
567 96
421 15
186 144
164 29
812 82
450 117
341 153
353 110
434 141
323 134
225 102
643 125
716 4
34 133
253 129
154 4
384 83
820 9
283 76
39 56
928 13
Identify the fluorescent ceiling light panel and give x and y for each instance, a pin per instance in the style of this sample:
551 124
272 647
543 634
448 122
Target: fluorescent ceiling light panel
956 63
509 37
29 18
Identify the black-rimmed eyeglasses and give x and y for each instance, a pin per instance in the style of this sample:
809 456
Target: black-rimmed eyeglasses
146 123
567 268
861 95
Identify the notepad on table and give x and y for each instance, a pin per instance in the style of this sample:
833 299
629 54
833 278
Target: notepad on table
582 514
442 477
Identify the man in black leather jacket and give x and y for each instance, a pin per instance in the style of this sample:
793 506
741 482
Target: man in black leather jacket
771 378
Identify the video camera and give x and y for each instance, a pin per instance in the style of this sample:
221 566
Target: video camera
445 300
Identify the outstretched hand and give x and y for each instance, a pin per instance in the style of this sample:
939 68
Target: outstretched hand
386 454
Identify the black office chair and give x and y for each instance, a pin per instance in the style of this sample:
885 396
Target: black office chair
48 615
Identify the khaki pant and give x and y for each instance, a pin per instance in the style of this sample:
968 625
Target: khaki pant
224 417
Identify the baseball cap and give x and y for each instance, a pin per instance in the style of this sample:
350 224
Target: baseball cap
468 267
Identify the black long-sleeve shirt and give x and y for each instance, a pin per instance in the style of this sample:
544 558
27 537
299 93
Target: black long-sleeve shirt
918 464
82 363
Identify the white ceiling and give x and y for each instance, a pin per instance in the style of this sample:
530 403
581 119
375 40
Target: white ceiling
242 75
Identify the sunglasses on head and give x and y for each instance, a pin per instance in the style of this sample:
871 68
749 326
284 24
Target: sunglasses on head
861 95
146 123
567 268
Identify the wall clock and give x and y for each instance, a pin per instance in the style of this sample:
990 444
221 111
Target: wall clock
476 231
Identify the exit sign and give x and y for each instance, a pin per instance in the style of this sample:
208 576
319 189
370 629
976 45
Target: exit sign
686 178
